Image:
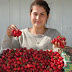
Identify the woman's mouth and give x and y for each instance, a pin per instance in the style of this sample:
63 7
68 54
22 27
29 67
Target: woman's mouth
38 22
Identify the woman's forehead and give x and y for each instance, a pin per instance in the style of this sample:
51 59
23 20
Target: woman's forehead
38 8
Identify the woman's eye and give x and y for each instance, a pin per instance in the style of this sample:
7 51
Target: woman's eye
42 14
35 14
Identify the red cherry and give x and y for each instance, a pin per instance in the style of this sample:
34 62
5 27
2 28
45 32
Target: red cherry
29 60
59 40
16 33
63 38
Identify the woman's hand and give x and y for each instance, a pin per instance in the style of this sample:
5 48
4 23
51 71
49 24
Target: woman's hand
10 28
59 45
59 42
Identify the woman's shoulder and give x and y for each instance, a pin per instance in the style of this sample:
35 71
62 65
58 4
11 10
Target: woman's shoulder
24 30
52 30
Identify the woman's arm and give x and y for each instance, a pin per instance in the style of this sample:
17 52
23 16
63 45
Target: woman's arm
8 40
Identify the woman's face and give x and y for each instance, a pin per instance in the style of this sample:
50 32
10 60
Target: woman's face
38 16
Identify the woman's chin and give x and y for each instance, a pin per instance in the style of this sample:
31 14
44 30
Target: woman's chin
38 25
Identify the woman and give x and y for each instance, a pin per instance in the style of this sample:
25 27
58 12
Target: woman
37 37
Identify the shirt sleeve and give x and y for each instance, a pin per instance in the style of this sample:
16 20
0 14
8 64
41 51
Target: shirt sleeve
6 42
9 42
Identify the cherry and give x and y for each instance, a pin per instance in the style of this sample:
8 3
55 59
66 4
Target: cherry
16 33
30 60
60 40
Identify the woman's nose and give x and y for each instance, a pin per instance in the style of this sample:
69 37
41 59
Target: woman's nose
38 17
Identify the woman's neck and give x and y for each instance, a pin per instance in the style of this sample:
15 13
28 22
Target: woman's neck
38 30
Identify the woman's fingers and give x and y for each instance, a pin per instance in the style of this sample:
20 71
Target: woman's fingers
58 44
9 31
10 28
55 44
63 42
14 27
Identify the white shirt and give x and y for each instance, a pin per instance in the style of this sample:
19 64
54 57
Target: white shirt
28 40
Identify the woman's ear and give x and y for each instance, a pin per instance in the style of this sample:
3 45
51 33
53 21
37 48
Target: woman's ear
30 14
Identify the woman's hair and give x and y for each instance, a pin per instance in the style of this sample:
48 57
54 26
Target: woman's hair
40 3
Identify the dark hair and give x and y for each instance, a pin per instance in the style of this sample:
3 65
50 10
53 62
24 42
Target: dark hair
40 3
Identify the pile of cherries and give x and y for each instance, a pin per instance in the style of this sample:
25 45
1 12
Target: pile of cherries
16 33
60 40
30 60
